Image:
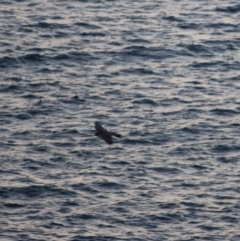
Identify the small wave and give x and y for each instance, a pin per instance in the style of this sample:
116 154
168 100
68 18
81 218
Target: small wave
224 112
160 218
206 64
70 203
41 148
172 101
171 113
97 237
145 102
13 205
63 144
85 216
169 205
222 25
23 116
229 9
121 163
150 52
11 88
74 56
46 25
191 130
128 141
228 159
225 148
138 71
87 25
138 41
30 96
185 25
35 112
180 151
172 19
210 228
84 187
34 191
70 131
193 205
199 167
109 184
198 49
229 219
33 58
93 34
166 170
6 62
43 108
74 100
22 133
113 92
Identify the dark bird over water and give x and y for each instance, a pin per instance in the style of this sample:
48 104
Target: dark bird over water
104 134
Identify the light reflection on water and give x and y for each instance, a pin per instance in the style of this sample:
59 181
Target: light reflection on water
164 75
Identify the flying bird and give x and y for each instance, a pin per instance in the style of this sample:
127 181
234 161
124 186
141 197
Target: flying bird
104 134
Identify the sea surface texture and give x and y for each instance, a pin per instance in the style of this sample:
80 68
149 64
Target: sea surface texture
163 74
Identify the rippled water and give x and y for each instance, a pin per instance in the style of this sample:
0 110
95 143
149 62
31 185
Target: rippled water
165 75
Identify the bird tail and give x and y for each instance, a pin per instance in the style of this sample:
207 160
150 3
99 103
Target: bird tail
117 135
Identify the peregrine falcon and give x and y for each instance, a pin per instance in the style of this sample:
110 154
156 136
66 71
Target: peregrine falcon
104 134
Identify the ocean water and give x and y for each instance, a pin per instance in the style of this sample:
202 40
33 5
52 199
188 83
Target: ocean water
164 74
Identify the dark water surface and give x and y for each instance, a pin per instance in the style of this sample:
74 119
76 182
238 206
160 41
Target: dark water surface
165 75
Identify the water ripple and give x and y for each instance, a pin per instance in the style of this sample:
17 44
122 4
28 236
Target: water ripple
164 75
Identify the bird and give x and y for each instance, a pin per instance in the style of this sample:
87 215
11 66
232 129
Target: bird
104 134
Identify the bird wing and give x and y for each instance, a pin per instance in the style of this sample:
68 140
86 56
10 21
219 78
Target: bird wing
98 127
115 134
108 139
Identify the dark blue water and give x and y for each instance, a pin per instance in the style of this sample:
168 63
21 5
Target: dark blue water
165 75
